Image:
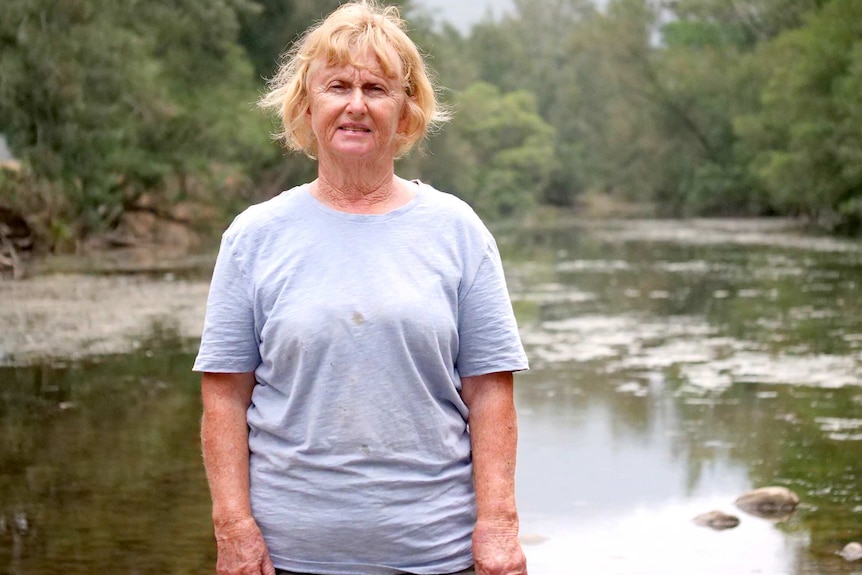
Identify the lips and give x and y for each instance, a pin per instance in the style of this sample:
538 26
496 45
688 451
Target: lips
354 128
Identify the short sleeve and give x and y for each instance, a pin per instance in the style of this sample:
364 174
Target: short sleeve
487 331
229 343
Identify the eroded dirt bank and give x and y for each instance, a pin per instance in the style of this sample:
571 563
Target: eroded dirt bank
74 315
76 309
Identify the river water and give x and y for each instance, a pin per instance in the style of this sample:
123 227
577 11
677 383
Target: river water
674 367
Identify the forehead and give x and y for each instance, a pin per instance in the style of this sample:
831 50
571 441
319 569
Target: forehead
367 61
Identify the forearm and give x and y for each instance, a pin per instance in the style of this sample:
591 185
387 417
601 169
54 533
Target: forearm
224 442
494 441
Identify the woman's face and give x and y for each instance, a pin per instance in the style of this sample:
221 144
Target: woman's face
355 112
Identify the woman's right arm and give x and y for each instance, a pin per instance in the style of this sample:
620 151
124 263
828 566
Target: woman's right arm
224 442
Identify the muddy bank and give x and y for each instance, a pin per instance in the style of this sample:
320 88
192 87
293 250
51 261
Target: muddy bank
108 303
74 315
783 233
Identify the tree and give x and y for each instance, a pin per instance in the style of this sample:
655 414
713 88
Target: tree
805 141
105 100
652 121
497 153
269 29
531 51
744 23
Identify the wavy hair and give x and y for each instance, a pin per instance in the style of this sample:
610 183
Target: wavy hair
352 30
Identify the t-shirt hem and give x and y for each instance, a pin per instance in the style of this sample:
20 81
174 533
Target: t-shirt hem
221 366
492 368
319 568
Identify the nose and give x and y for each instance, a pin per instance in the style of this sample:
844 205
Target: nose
356 102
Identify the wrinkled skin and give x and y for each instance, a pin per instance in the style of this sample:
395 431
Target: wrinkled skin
242 550
497 550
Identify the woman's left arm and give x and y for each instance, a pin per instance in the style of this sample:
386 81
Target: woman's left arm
494 441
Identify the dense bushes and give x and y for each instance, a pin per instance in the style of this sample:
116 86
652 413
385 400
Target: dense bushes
704 108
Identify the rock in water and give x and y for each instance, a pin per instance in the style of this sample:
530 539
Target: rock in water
852 551
717 520
775 503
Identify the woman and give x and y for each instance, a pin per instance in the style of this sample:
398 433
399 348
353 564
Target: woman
355 326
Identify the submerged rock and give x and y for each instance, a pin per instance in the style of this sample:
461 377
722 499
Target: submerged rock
717 520
852 551
774 503
21 523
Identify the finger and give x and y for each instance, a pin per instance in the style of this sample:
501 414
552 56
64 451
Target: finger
267 567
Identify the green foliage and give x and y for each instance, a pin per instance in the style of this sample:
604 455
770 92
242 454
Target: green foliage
268 30
111 99
530 51
511 145
743 23
805 139
496 154
700 107
700 34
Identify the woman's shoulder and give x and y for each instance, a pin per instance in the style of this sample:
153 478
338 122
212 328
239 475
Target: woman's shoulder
452 211
449 203
270 214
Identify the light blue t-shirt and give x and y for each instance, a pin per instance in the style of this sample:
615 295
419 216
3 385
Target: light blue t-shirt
358 329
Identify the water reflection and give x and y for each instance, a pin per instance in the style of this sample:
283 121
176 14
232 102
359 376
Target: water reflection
100 469
607 481
659 539
668 378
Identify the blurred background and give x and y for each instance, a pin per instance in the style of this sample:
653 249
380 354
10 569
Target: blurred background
112 112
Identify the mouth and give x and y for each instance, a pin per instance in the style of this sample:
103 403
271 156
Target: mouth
354 128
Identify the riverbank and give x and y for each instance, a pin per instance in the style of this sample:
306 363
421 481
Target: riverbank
115 301
69 316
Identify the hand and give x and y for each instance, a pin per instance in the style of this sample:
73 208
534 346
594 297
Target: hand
497 550
242 550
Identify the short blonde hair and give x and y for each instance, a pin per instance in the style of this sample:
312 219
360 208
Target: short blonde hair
347 33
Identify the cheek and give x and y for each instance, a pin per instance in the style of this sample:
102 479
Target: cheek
315 116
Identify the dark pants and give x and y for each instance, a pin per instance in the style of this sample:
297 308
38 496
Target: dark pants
469 571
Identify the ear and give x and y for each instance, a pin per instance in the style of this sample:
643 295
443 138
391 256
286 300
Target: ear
307 115
306 124
404 120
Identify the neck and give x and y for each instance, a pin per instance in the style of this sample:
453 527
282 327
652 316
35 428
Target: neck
360 189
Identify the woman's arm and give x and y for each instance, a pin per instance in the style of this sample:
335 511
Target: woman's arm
224 442
494 441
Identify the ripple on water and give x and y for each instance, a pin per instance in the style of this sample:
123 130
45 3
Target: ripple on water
725 232
606 266
634 388
553 293
704 359
693 266
841 429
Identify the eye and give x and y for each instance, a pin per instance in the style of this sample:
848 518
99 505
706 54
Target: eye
376 89
337 87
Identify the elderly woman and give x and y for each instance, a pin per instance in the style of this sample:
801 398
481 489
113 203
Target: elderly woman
359 341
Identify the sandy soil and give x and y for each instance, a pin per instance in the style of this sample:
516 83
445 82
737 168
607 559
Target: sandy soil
71 315
64 313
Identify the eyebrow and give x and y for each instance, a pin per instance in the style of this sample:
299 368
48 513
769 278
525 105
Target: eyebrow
376 73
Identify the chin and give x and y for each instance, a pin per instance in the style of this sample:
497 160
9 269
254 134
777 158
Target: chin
359 152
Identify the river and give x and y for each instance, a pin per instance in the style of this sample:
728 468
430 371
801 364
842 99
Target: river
674 366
